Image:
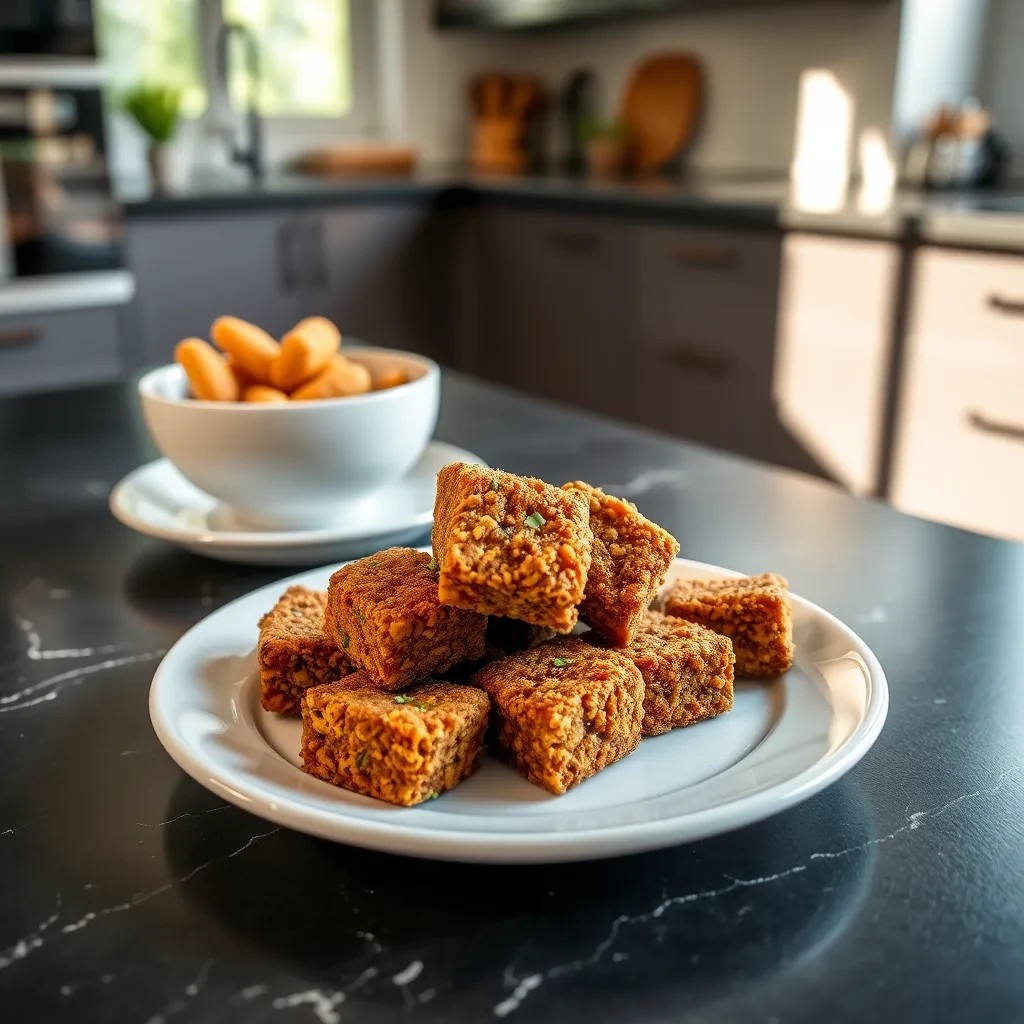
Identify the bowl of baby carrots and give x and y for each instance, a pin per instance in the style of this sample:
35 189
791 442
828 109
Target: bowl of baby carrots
290 433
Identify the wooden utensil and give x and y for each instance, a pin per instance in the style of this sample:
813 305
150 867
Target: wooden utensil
358 158
661 108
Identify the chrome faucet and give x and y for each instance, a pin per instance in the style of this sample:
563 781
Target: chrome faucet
251 155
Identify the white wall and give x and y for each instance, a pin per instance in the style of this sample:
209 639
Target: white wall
753 60
1001 84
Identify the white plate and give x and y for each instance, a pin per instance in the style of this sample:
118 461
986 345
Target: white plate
783 741
158 501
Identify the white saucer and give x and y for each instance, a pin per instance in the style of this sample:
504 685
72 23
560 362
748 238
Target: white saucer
158 501
783 741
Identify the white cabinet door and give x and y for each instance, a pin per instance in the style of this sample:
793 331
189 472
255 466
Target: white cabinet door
834 340
960 430
192 269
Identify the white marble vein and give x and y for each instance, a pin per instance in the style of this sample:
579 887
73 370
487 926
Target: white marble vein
31 942
324 1005
192 989
35 651
523 987
49 688
184 814
646 481
408 974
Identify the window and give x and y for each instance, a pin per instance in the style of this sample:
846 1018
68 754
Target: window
310 64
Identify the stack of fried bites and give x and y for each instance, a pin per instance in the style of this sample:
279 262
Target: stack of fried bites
409 662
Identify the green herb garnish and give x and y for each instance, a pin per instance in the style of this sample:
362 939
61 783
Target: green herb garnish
344 641
535 521
361 759
433 794
432 565
561 662
404 698
494 483
360 616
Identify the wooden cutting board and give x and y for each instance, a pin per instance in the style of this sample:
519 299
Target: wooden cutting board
358 158
661 108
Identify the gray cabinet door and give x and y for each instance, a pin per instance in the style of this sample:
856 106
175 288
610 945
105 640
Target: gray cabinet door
557 305
381 274
190 270
47 351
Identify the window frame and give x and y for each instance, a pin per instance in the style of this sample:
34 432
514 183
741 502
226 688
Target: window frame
362 119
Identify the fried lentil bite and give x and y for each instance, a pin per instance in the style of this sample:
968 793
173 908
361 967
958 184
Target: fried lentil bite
293 651
384 613
400 747
753 611
564 710
630 558
511 545
688 671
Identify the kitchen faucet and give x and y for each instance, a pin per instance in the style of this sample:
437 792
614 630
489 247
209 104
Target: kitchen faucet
251 155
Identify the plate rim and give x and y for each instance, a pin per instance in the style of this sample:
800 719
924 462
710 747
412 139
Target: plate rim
259 538
533 847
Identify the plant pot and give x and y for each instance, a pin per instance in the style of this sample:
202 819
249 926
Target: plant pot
158 158
605 157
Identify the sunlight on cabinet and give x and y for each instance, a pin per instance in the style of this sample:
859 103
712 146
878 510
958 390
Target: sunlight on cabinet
835 311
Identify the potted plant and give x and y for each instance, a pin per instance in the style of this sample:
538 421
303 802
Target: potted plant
156 109
604 147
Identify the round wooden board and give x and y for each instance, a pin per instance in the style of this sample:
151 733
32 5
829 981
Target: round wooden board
661 107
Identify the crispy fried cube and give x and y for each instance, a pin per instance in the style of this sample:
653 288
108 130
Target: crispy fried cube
688 671
753 611
511 545
631 556
384 612
400 747
293 651
564 710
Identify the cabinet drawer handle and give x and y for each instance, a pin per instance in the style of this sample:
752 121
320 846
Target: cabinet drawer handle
989 426
566 238
20 338
710 257
712 364
1011 307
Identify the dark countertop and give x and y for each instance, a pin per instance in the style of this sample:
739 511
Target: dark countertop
972 219
131 893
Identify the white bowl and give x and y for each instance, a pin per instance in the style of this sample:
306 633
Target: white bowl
301 464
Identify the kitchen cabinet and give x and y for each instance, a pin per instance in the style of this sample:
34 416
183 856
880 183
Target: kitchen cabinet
66 348
959 453
190 270
706 333
557 305
833 350
381 273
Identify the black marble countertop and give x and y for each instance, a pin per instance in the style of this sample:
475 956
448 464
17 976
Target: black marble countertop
972 219
130 893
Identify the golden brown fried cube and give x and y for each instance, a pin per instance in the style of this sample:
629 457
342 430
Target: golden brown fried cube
293 651
753 611
631 556
384 613
401 747
564 710
688 671
510 545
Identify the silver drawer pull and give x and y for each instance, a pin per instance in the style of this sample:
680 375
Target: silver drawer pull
1011 307
711 257
566 238
981 422
20 338
712 364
